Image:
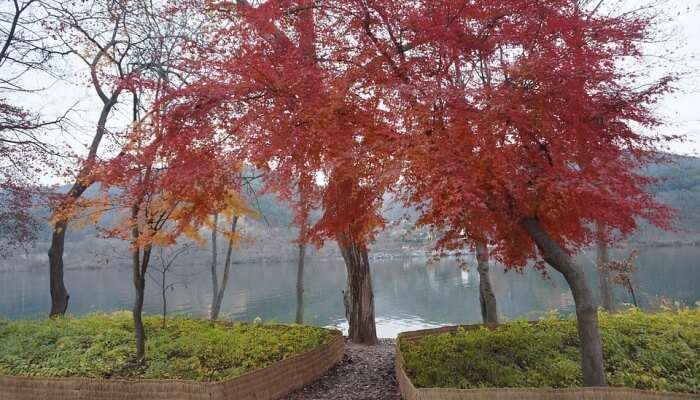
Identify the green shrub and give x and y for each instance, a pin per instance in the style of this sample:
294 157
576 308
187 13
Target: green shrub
102 346
645 351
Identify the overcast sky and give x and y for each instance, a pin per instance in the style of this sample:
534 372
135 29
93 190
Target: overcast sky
681 109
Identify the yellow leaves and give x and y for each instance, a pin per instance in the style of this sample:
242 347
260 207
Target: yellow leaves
162 238
156 210
233 237
234 205
164 218
64 212
82 212
191 232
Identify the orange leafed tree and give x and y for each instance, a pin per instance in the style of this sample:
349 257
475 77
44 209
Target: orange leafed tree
168 180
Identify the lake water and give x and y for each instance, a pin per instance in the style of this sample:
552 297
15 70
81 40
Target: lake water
409 293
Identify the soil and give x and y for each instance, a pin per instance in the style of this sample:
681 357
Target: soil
366 372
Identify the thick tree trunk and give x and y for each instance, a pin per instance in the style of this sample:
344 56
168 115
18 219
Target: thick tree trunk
487 298
219 294
59 293
586 312
300 284
606 296
358 296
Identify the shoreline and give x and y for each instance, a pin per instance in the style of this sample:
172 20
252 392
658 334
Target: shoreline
377 256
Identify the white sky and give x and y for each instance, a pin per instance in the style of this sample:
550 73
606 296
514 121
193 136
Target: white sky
681 109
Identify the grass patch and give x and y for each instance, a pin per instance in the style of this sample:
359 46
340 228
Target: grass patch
646 351
102 346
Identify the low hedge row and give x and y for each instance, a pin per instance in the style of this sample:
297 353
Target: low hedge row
102 346
645 351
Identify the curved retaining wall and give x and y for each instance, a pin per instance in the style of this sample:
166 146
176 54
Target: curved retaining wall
410 392
268 383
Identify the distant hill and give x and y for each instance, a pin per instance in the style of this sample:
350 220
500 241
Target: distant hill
678 186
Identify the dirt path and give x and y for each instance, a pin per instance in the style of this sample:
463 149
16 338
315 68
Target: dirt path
366 372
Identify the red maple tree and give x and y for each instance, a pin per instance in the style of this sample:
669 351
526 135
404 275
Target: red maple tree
294 98
524 131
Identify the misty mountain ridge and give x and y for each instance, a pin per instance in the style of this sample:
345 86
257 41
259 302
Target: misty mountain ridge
678 186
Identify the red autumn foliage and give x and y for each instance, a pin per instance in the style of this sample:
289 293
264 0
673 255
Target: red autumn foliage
490 112
524 131
294 98
176 181
525 112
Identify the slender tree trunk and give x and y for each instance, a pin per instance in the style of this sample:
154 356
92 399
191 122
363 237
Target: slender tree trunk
300 284
358 296
303 228
219 295
214 273
487 298
602 258
586 313
630 289
139 268
163 289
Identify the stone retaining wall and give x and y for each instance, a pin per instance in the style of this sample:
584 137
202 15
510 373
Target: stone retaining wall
268 383
410 392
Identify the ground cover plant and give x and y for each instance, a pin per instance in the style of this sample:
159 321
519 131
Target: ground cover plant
659 351
102 346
